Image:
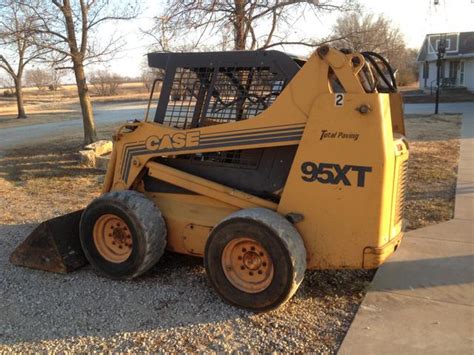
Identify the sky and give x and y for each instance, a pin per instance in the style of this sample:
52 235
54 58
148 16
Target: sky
415 18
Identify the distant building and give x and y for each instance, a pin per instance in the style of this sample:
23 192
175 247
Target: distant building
457 69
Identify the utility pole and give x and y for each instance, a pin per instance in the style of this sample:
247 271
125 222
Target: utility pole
439 62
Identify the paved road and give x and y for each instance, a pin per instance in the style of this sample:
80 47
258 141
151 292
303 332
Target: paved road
455 107
107 113
104 113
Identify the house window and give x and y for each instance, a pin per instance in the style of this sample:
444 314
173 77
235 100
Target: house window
453 69
447 44
426 70
461 70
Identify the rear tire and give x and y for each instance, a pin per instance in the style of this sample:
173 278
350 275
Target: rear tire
123 234
255 259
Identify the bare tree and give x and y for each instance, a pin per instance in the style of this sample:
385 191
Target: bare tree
44 78
55 79
368 33
105 83
148 75
6 81
69 28
407 67
17 24
252 24
38 77
377 34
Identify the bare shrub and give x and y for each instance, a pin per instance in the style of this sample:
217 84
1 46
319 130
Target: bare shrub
44 78
105 83
55 80
38 77
148 75
9 93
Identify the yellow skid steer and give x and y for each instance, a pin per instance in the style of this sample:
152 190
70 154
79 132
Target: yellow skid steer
262 163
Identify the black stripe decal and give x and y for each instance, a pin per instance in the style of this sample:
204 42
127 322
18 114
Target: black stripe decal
125 151
130 154
270 128
250 134
217 138
212 144
247 138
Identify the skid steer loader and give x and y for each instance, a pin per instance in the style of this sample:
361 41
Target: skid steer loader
264 164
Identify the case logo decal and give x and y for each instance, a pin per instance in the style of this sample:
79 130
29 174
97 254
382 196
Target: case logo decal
173 141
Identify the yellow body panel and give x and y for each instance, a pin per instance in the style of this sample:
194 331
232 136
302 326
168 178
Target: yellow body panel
341 220
183 211
349 207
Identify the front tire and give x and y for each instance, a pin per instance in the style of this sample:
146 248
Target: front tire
255 259
123 234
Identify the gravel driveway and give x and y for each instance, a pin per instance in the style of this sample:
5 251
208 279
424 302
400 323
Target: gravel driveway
171 308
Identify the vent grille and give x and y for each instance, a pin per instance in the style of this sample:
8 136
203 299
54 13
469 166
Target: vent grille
401 192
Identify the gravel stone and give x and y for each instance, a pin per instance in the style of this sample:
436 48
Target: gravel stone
170 308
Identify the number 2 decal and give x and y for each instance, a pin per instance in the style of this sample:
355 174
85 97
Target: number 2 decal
339 100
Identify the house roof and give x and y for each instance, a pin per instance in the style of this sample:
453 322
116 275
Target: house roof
459 45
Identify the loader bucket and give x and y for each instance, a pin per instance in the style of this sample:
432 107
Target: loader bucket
52 246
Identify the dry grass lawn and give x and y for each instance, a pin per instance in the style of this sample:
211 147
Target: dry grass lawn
41 183
434 155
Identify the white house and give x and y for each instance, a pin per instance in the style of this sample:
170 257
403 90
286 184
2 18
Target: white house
457 69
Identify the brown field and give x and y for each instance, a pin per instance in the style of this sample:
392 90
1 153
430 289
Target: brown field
65 98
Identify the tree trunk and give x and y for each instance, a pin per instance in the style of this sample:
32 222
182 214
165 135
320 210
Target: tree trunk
239 25
19 98
90 134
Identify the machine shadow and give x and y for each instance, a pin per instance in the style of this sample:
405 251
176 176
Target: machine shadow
19 165
428 273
